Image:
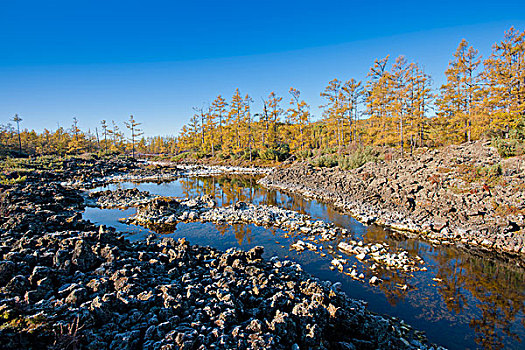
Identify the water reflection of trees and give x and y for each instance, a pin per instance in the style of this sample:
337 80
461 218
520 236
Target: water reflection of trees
226 190
243 233
231 189
460 287
487 294
498 289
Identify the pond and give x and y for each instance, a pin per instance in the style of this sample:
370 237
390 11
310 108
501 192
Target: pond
464 299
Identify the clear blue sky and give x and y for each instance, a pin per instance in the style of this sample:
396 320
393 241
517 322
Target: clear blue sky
157 59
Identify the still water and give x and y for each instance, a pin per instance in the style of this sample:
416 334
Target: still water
464 300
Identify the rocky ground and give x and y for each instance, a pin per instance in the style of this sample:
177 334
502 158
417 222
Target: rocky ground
165 171
162 215
120 198
67 284
464 194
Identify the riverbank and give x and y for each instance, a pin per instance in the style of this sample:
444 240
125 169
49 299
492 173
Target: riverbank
166 171
68 283
466 195
162 214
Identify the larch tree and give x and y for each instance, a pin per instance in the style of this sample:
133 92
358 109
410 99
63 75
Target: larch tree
98 138
200 114
421 99
104 126
118 137
17 120
504 78
248 124
184 139
377 99
264 121
458 97
133 127
210 126
219 111
400 98
75 144
333 110
299 116
193 132
235 120
274 117
249 127
352 94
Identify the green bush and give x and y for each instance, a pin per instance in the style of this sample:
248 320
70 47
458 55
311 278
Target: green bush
179 157
495 170
518 133
198 155
514 145
223 155
325 161
361 156
327 150
247 154
268 154
279 153
507 148
304 154
283 152
6 181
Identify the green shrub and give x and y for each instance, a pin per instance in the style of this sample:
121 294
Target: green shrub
325 161
279 153
6 181
283 152
361 156
508 148
268 154
327 150
247 154
179 157
518 133
495 170
505 149
304 154
223 155
198 155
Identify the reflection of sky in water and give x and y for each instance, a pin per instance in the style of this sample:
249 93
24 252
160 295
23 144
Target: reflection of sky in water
462 301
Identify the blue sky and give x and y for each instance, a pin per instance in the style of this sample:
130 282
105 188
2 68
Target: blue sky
157 59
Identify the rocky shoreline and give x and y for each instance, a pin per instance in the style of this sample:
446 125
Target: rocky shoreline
120 198
162 215
464 195
164 172
66 283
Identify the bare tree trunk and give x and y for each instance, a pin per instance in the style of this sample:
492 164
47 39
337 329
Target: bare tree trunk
19 138
401 134
98 140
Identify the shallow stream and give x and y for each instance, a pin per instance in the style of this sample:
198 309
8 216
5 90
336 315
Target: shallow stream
464 299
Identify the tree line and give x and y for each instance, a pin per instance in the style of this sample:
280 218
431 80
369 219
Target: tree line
110 138
481 98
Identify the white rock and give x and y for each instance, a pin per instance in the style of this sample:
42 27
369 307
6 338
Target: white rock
374 280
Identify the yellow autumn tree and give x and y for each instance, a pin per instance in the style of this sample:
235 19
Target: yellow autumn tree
504 78
235 123
218 108
377 98
351 96
458 98
334 111
270 118
298 115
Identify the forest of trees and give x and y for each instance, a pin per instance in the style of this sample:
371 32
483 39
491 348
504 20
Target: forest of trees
394 106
